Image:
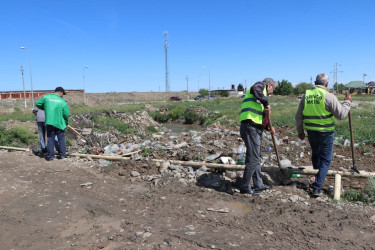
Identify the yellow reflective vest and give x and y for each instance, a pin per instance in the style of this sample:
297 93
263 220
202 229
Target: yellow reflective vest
315 115
252 108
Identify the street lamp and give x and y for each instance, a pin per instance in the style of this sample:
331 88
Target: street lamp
31 76
209 80
84 91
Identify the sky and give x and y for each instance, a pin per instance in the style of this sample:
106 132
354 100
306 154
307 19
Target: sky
213 43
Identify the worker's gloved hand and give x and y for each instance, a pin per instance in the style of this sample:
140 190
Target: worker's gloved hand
348 98
301 136
267 110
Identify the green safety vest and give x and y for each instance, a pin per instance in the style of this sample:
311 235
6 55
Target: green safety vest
315 115
252 108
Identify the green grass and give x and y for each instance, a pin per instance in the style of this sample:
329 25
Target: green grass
103 123
16 137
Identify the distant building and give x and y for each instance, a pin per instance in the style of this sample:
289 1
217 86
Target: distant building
28 95
359 88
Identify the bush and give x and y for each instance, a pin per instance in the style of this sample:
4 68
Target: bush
177 112
191 117
159 117
284 88
152 129
352 195
203 92
106 123
16 136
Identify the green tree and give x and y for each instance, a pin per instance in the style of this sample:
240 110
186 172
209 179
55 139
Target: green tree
284 88
302 87
203 92
340 87
240 87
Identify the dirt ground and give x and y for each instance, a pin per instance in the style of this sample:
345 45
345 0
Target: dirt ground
138 203
73 203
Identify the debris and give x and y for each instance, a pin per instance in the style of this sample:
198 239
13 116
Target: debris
86 184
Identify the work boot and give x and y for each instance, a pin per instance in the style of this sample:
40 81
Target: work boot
251 191
316 193
264 187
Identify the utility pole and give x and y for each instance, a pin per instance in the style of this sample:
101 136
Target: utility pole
335 71
187 87
364 75
23 82
311 80
167 89
209 84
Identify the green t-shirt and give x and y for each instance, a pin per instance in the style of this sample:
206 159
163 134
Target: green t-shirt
56 109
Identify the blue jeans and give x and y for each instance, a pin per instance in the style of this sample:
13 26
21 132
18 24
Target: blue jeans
52 133
322 150
42 135
252 138
42 129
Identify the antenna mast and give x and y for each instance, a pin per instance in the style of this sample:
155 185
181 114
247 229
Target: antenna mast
167 89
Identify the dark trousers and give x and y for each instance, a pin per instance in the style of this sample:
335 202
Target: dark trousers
322 151
52 132
252 137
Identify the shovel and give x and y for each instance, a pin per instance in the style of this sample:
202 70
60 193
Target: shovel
354 168
274 141
75 131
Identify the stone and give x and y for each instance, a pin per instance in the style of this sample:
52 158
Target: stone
373 218
135 174
285 163
294 198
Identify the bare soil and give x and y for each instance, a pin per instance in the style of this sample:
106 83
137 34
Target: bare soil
73 203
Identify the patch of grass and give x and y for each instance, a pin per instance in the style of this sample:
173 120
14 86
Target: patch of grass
191 117
352 195
152 129
370 189
146 151
177 112
159 117
106 123
17 136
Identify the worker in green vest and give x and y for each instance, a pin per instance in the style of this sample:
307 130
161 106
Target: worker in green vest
254 111
316 113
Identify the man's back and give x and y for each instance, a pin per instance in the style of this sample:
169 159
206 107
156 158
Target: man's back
56 110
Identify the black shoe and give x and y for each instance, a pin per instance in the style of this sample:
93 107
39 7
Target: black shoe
265 187
251 191
49 159
316 193
60 157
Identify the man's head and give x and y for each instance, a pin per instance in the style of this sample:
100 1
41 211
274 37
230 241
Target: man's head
60 91
322 79
271 85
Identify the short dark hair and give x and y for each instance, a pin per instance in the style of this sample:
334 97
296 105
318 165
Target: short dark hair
60 89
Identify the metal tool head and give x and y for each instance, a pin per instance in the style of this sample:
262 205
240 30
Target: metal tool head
355 169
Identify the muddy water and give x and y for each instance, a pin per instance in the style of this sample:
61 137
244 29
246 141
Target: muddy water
178 127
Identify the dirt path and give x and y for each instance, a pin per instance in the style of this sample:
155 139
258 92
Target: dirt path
45 205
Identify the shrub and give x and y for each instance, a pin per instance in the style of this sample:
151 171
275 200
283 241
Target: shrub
177 112
159 117
16 136
106 123
152 129
352 195
191 117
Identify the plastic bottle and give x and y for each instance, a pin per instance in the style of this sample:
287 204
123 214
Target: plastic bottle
296 175
241 150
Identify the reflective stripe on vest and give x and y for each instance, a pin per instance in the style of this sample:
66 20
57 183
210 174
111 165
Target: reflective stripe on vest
251 108
315 115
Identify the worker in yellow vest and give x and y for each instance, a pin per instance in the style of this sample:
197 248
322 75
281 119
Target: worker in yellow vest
254 111
316 113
